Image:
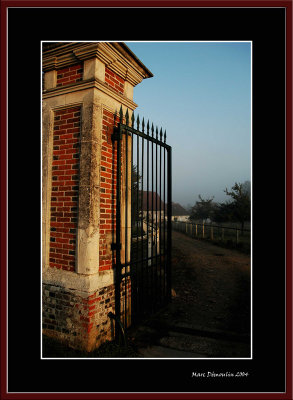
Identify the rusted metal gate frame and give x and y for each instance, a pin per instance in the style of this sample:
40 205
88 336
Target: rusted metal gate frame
126 270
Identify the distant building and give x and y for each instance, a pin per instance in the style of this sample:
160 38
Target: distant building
157 209
154 206
179 213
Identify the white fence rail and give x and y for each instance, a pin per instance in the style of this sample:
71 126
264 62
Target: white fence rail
216 233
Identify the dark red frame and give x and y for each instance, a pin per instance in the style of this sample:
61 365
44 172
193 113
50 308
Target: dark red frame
289 167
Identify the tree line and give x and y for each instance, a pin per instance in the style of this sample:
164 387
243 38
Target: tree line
236 209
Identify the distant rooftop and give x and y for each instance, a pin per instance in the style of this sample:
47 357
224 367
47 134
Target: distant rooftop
154 202
178 210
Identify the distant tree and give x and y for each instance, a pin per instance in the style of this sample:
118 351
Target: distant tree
188 208
246 187
240 205
202 209
223 212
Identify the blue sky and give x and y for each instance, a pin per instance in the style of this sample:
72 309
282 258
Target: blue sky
201 95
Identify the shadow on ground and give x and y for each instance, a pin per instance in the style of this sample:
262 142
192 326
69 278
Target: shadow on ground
209 316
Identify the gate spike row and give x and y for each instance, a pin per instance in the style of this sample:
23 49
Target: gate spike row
152 130
161 134
142 124
137 122
148 128
127 117
132 120
165 136
156 132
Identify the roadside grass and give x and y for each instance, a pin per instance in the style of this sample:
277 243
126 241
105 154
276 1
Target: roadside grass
243 247
223 235
52 348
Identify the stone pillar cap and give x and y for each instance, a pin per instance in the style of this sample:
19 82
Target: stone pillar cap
115 55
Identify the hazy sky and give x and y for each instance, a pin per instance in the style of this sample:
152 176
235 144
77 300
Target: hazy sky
201 95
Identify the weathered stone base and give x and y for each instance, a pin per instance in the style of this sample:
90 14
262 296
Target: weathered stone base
79 321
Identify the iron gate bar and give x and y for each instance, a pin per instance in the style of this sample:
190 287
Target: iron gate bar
156 276
133 221
143 135
141 296
169 221
160 235
147 195
144 274
164 212
137 203
118 241
152 246
140 260
126 223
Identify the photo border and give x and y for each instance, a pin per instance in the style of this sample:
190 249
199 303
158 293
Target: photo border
4 200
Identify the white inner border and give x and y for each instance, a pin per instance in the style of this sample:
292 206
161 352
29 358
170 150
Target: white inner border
251 77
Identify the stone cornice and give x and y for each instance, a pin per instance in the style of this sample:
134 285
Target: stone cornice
116 56
84 85
59 58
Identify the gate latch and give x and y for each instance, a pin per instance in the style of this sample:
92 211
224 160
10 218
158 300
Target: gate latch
117 135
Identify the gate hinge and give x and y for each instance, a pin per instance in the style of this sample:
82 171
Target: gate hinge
116 135
114 246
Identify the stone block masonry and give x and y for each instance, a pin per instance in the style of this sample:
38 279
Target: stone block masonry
65 187
80 322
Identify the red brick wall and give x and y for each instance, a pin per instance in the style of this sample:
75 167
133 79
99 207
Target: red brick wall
64 195
114 80
107 190
69 75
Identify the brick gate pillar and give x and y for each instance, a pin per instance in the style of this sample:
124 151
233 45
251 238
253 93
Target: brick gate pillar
84 84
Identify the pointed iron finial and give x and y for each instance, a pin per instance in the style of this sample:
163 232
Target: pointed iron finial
161 134
132 120
148 128
142 124
121 114
165 136
152 128
156 132
127 117
137 122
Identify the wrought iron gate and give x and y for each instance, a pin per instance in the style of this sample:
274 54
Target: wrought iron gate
143 220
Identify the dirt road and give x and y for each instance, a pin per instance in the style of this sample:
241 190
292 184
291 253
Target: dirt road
212 285
210 309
